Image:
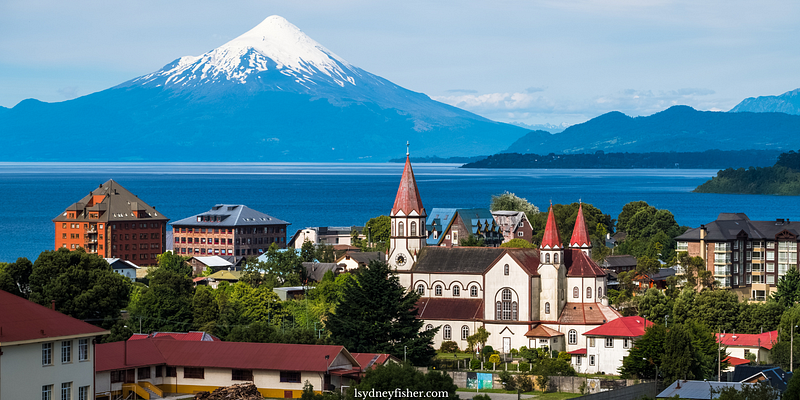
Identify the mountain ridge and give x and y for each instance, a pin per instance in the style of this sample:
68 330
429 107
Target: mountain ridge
788 103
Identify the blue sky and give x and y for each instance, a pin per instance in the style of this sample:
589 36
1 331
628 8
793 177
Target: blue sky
515 61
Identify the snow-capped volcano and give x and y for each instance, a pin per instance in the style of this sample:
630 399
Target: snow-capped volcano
274 45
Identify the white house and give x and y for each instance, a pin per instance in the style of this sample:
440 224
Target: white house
44 354
123 267
743 345
608 344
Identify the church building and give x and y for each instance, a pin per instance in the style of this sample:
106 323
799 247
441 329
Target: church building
546 297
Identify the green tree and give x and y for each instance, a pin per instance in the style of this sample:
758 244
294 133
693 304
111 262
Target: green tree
518 243
759 317
82 285
759 391
793 389
654 305
510 202
378 230
205 309
481 336
308 251
789 327
391 376
788 289
646 354
471 241
166 305
718 309
678 356
378 315
15 277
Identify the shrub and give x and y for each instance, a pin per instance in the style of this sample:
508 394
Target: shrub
508 381
481 397
486 351
523 366
449 347
543 381
474 364
524 383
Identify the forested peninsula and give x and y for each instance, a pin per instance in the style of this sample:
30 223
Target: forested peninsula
713 159
783 178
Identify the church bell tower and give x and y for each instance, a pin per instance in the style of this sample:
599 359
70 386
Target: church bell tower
408 231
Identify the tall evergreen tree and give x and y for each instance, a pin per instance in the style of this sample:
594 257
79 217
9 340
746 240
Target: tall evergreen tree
378 315
788 289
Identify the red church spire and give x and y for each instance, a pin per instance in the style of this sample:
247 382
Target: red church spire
551 238
408 199
580 235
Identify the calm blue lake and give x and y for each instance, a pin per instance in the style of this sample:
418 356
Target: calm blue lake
328 194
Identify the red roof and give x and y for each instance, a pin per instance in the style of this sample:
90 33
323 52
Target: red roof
264 356
449 309
580 235
734 361
579 352
25 320
582 265
371 360
587 314
408 199
764 340
193 336
621 327
543 331
551 238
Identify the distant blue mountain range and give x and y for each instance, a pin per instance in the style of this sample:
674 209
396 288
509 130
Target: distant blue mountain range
788 103
272 94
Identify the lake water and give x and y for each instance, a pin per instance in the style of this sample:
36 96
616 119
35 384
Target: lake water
329 194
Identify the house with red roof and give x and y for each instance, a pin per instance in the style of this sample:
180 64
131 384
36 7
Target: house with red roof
44 354
168 364
741 345
608 344
509 292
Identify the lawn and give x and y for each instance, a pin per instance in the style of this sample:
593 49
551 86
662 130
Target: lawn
449 356
538 395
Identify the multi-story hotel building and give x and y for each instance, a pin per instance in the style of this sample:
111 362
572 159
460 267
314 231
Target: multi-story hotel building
746 256
228 230
113 223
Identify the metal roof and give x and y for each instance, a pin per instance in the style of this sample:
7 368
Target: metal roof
728 226
116 204
230 215
697 389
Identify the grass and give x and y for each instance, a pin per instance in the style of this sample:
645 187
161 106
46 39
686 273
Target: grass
449 356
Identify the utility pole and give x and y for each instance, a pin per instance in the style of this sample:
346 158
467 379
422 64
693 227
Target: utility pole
719 357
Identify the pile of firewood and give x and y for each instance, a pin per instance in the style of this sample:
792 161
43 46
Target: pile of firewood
244 391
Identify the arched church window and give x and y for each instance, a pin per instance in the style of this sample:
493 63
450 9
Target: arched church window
421 289
473 291
506 294
572 336
576 293
505 269
555 258
464 332
413 228
547 258
588 292
438 290
599 292
507 311
547 308
514 311
428 327
447 332
456 291
400 229
498 312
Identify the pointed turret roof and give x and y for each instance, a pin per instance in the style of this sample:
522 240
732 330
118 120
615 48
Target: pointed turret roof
551 238
580 235
408 199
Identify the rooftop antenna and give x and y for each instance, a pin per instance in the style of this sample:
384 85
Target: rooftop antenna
406 148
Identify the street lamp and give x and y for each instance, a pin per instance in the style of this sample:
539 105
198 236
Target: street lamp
719 357
405 348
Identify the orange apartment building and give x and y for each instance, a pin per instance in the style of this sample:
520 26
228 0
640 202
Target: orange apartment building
113 223
228 230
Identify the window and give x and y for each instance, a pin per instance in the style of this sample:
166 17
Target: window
447 332
47 392
158 371
47 354
66 391
591 342
576 293
588 292
577 360
83 393
555 258
591 360
428 327
456 291
498 310
455 238
514 311
401 229
172 372
547 308
547 258
599 292
626 343
66 351
609 342
572 336
520 234
413 228
464 332
242 374
421 289
473 291
438 290
195 373
143 373
83 349
505 269
290 376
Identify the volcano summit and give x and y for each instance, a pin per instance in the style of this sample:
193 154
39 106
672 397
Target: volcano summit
271 94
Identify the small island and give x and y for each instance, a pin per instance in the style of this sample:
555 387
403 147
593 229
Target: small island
783 178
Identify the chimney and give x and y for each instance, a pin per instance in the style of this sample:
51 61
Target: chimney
703 232
53 305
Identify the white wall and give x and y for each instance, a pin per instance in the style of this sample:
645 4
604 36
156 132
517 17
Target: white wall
607 359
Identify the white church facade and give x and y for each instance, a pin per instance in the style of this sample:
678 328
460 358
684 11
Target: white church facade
546 297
